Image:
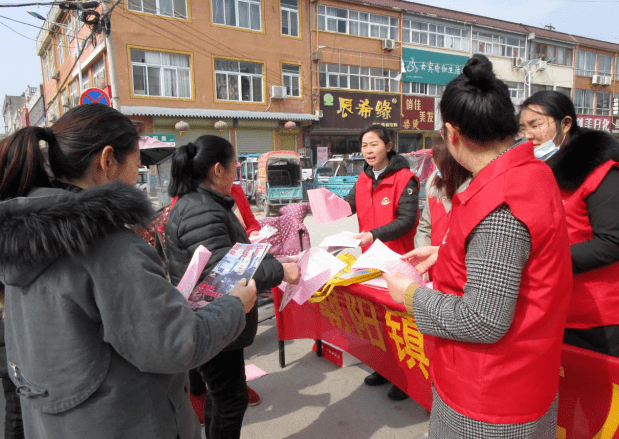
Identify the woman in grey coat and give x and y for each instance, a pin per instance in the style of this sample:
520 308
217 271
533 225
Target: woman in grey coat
98 341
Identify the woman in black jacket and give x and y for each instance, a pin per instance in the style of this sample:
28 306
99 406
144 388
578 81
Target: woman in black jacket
202 176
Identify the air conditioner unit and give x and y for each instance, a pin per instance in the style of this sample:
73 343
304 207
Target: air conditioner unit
64 101
388 44
278 92
606 80
75 101
317 56
596 79
541 66
55 74
318 113
517 62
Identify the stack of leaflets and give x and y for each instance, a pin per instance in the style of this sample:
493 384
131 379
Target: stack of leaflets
241 262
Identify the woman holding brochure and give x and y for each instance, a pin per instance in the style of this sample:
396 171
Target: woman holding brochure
202 177
503 275
386 199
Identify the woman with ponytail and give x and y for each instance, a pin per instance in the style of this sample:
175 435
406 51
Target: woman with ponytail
202 177
98 341
502 275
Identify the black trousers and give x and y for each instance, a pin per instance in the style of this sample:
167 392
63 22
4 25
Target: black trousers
227 398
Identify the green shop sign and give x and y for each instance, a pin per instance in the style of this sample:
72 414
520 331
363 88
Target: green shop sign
431 67
170 139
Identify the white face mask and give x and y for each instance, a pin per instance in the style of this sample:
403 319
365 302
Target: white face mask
548 149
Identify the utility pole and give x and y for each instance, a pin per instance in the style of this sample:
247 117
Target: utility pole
110 53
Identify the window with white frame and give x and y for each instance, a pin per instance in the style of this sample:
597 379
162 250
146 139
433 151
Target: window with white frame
617 68
585 63
423 89
161 74
238 13
583 101
61 47
516 89
605 65
603 103
73 95
436 35
552 53
167 8
291 78
46 71
239 80
498 45
52 61
290 17
358 78
362 24
85 81
98 73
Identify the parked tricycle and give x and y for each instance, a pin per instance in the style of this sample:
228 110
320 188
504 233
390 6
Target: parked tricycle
279 180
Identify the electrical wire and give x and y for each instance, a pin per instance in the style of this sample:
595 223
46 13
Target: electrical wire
32 25
10 28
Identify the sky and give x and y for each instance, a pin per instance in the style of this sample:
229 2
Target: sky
596 19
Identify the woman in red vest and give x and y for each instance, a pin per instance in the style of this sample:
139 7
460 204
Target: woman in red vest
502 276
448 179
585 165
386 199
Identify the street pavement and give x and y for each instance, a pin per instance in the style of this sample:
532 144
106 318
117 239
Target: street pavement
311 398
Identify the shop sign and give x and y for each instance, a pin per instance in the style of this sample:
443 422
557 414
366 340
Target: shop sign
170 139
354 110
322 153
417 113
430 67
595 122
616 105
615 127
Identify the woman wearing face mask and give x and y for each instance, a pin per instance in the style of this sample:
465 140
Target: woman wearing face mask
503 276
584 163
386 199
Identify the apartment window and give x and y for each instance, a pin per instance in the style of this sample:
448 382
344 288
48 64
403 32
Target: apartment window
167 8
617 69
238 13
46 71
61 47
435 35
161 74
74 98
85 81
553 54
363 24
423 89
605 65
238 80
358 78
603 103
585 63
52 61
290 17
291 78
498 45
583 102
516 89
566 91
98 73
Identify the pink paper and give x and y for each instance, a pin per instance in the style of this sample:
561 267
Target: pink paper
194 270
326 206
252 372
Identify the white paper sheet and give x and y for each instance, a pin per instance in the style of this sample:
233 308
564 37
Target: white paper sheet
317 267
264 233
381 257
342 239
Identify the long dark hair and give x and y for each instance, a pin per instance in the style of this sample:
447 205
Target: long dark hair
382 133
479 104
453 173
555 104
74 140
191 163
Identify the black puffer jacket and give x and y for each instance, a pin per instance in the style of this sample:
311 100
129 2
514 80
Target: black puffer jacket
205 217
571 166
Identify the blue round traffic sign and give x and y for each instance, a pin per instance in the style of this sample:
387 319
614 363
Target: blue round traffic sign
95 96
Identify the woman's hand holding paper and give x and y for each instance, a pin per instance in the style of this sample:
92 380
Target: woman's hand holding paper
422 258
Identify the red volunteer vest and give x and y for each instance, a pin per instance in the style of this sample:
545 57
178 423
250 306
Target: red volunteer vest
595 298
516 379
439 217
375 209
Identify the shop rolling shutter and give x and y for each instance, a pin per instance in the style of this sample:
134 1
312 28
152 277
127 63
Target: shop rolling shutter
254 141
287 142
191 135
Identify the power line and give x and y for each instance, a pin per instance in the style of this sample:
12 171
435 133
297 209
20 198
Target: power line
31 25
10 28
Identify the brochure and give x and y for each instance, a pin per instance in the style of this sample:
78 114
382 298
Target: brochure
241 262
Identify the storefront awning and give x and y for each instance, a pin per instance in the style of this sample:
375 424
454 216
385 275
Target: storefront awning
212 113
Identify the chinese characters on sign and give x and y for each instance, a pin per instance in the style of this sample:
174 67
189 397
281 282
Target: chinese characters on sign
431 67
347 109
595 122
417 113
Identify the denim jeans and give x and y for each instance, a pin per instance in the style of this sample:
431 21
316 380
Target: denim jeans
227 398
